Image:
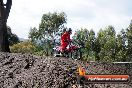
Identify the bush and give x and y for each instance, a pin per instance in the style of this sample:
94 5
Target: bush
23 47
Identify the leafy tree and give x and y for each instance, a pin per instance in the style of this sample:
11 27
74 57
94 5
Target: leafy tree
101 41
121 46
86 39
12 38
97 49
107 40
91 41
129 42
80 37
50 24
4 13
33 34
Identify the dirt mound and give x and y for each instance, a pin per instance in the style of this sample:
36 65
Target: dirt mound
29 71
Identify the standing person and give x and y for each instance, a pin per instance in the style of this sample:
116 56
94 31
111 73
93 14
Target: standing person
65 39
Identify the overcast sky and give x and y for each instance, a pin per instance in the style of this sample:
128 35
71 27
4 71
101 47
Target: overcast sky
90 14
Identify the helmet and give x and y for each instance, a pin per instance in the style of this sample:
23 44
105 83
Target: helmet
64 29
69 30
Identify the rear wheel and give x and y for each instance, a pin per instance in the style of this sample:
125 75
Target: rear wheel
76 54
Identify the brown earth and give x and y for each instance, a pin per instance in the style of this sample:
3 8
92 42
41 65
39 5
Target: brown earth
29 71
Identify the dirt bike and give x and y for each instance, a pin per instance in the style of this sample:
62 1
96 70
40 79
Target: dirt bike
71 51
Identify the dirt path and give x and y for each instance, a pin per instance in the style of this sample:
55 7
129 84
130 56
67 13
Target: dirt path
28 71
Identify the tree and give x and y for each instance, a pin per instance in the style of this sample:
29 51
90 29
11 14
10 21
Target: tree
121 46
129 42
91 41
86 39
50 24
12 38
107 40
100 40
4 13
97 49
80 37
33 34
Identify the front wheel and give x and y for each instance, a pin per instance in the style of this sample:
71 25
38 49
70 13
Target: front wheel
56 53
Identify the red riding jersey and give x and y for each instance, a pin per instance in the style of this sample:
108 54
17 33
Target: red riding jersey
65 39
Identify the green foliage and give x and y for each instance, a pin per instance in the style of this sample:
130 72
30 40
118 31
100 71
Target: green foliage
85 39
44 36
106 46
12 38
129 41
81 36
33 34
51 22
107 41
23 47
121 51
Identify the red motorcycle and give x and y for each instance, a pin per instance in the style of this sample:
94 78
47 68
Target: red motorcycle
71 51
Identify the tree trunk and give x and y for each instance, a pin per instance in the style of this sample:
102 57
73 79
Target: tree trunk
4 13
1 34
1 28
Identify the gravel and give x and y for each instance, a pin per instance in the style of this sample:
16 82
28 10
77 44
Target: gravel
29 71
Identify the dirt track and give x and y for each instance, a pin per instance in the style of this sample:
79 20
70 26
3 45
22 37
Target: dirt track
28 71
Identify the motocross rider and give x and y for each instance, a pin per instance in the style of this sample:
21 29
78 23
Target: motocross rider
65 39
